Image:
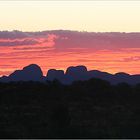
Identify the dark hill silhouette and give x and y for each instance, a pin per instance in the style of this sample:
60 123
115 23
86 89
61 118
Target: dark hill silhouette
55 74
29 73
100 75
72 74
4 79
76 70
122 77
78 73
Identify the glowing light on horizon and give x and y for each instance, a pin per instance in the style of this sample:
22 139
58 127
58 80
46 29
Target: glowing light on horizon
97 16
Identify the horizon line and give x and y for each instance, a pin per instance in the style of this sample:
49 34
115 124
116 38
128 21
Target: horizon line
67 68
72 30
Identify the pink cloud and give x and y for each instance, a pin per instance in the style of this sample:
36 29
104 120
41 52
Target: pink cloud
46 41
111 52
132 58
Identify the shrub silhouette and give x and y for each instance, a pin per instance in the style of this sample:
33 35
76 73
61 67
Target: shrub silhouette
85 109
60 115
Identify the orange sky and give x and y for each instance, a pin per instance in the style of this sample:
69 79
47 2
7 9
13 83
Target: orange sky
110 52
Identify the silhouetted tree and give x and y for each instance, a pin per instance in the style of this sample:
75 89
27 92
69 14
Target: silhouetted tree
86 109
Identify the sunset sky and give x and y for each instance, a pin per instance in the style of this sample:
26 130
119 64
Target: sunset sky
81 15
63 46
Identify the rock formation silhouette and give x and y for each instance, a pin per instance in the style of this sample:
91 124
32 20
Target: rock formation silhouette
73 73
29 73
55 74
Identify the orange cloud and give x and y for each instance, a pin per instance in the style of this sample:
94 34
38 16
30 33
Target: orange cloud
112 53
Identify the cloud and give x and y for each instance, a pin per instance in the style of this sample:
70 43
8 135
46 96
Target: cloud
50 41
30 42
18 42
111 52
71 39
131 59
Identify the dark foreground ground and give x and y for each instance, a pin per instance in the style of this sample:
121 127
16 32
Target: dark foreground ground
90 109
